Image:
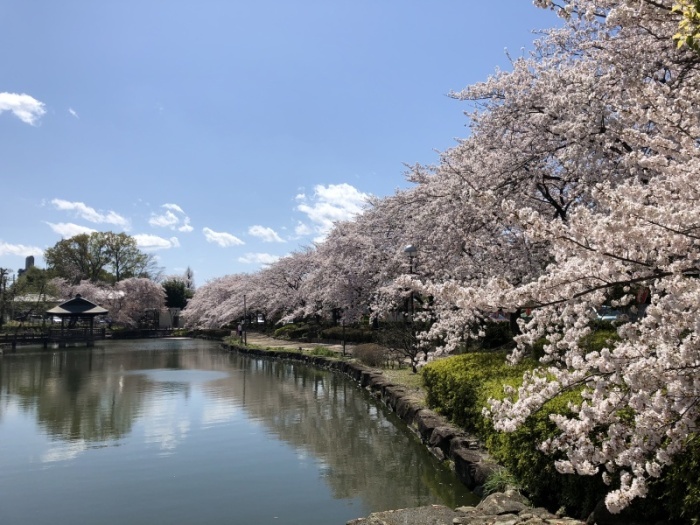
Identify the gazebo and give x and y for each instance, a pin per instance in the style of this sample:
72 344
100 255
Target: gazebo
74 310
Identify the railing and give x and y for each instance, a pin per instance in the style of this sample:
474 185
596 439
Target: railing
73 335
52 335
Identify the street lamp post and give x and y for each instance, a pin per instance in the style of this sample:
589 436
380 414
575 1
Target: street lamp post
410 252
245 321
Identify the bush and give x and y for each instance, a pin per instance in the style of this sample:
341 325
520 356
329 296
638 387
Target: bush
293 331
323 351
371 354
458 387
518 452
599 339
678 489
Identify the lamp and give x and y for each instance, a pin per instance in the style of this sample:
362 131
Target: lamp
410 252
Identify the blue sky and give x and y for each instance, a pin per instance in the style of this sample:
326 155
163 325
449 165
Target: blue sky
225 134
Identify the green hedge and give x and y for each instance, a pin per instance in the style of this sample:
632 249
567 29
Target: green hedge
459 386
306 331
296 331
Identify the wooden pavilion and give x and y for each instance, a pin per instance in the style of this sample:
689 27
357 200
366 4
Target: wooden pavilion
73 311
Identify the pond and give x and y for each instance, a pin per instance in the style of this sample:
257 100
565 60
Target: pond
178 431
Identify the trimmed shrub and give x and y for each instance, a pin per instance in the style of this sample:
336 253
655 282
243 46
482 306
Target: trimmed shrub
599 339
459 386
293 331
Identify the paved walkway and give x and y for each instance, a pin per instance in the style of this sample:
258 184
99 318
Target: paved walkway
259 339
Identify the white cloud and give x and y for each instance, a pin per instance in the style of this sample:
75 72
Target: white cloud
90 214
153 242
173 217
166 220
19 249
73 112
332 203
302 229
223 239
68 229
174 207
186 226
259 258
264 233
25 107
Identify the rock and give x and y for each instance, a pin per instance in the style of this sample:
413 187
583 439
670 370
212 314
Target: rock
406 409
471 466
438 453
506 519
427 421
429 515
509 502
442 436
497 509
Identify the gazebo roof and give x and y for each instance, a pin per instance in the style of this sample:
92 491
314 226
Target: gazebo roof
76 307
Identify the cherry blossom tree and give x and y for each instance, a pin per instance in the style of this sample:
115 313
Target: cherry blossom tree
276 290
131 298
127 301
585 156
217 302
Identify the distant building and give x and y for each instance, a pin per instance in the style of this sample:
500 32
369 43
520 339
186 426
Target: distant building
28 263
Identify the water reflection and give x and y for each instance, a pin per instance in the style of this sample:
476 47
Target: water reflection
198 408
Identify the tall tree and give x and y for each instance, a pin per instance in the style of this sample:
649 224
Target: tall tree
98 256
175 293
189 280
124 257
77 258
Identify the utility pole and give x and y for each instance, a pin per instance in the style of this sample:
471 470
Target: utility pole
3 293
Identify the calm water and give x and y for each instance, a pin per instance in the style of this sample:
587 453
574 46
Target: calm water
179 432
